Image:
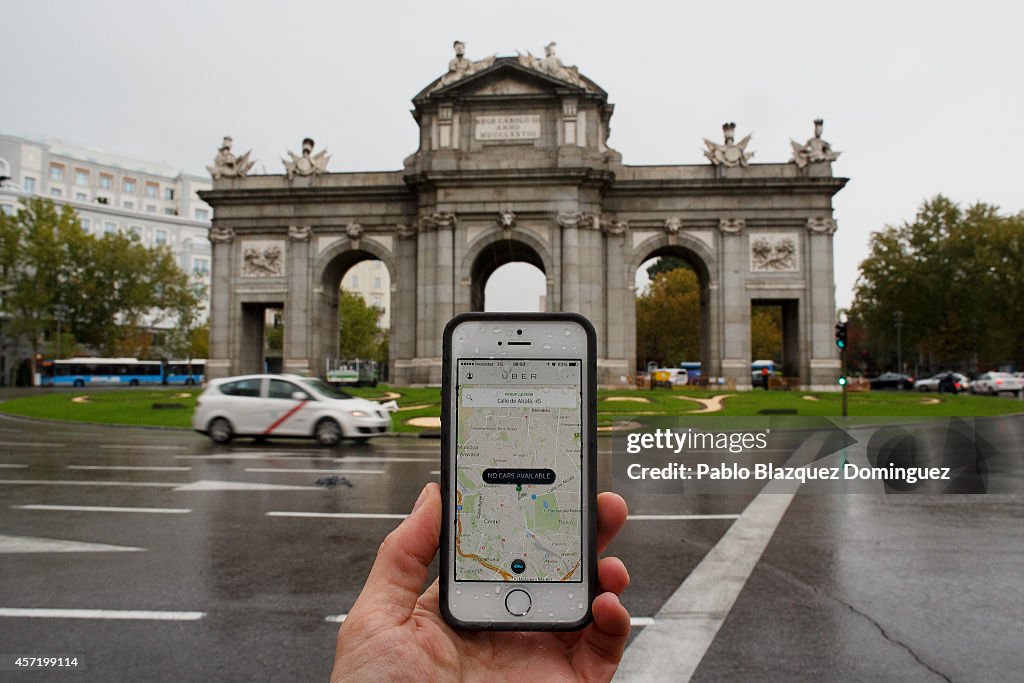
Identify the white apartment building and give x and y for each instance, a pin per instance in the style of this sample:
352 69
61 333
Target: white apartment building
371 280
113 193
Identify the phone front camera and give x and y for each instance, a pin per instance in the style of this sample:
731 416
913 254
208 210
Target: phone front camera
519 331
499 343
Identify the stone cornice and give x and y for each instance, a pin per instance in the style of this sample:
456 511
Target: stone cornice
650 187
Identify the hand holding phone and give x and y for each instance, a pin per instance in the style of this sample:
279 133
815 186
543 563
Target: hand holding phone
518 479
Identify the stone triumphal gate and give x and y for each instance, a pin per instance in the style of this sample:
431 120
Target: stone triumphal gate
513 165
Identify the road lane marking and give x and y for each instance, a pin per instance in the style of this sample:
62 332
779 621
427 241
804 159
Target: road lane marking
339 515
129 468
116 447
33 444
241 456
660 518
56 482
29 544
7 466
94 508
281 470
217 485
132 614
634 621
367 458
688 622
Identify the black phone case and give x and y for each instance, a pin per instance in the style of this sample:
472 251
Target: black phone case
447 458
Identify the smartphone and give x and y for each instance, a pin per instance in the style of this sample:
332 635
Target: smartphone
518 471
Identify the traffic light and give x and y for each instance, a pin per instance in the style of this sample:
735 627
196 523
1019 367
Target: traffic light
842 381
841 335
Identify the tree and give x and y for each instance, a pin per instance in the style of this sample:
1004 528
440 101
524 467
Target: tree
107 293
955 278
665 264
668 319
766 333
360 336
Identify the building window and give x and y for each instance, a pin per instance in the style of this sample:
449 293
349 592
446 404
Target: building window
57 173
7 209
106 181
168 193
128 186
378 302
376 282
136 231
200 266
202 215
355 281
152 190
128 205
56 192
150 208
109 228
81 197
86 224
170 211
30 185
160 237
81 177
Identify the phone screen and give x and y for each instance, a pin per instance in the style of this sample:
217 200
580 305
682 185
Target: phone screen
518 466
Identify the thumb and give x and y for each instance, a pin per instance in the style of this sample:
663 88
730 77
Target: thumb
397 576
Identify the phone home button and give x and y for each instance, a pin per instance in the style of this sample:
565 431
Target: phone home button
518 602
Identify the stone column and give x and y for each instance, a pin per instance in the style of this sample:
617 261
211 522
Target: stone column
298 322
821 355
404 315
570 253
618 302
219 363
735 322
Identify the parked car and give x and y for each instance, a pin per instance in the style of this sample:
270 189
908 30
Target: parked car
960 382
669 377
993 383
265 406
892 380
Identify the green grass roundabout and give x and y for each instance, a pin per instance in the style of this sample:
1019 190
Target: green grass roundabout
173 407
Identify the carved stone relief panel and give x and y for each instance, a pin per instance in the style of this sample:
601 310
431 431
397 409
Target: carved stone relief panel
774 252
263 258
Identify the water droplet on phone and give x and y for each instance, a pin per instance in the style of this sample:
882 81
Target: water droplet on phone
573 347
571 595
459 592
580 605
563 347
567 332
496 330
546 347
497 589
551 614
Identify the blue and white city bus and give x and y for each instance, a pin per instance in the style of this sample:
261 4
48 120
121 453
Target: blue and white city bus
80 372
188 372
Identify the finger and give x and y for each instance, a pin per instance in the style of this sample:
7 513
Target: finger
611 515
600 649
612 575
398 573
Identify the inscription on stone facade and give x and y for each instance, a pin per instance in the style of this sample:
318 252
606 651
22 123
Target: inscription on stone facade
507 128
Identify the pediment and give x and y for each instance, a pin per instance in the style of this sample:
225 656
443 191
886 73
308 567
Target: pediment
506 76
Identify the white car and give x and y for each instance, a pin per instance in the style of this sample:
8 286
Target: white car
997 382
265 406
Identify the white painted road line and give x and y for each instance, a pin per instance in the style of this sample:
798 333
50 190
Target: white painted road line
672 648
676 518
361 459
12 466
113 447
217 485
280 470
32 444
130 468
339 515
239 456
28 544
634 621
56 482
133 614
91 508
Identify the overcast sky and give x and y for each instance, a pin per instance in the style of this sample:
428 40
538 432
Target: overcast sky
921 97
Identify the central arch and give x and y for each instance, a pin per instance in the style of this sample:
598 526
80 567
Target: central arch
491 252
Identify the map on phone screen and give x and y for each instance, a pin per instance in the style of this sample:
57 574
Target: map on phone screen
518 465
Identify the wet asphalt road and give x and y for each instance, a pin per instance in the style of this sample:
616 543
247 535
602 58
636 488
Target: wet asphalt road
850 587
